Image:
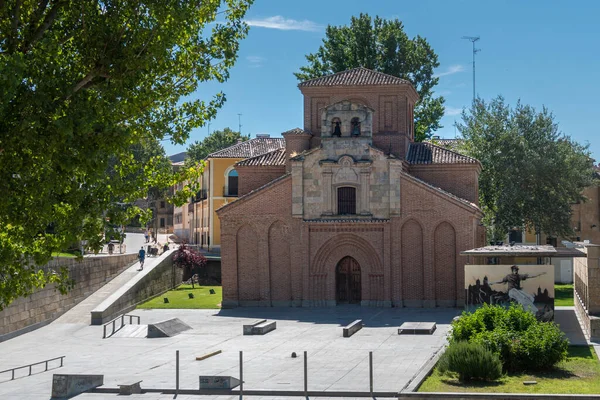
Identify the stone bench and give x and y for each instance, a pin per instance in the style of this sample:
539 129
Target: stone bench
352 328
248 327
130 388
417 328
264 327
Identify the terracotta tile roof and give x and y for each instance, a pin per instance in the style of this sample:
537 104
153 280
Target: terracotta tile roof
272 158
296 131
427 153
355 77
250 148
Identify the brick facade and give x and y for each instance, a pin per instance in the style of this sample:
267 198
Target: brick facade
282 245
253 177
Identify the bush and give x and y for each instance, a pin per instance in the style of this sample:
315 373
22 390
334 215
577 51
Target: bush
541 346
483 319
520 341
471 361
499 341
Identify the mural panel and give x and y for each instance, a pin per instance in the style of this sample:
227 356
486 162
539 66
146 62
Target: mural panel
532 286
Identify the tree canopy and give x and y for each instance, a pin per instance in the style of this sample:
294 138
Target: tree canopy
382 45
216 141
82 84
532 172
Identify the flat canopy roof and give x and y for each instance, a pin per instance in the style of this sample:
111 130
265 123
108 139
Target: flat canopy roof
512 251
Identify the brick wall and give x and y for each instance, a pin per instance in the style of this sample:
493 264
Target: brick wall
270 258
47 304
461 180
253 177
393 105
247 227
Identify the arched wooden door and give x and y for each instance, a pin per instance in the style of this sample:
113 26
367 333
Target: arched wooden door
347 280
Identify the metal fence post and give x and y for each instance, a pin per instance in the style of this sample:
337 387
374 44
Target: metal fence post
177 372
305 374
371 373
241 374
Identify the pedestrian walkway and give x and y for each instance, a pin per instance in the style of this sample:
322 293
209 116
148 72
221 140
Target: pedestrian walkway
80 314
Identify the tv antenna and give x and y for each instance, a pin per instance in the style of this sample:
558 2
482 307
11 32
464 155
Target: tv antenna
473 39
208 125
240 123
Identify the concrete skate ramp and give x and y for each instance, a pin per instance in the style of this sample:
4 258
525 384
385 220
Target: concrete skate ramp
168 328
131 331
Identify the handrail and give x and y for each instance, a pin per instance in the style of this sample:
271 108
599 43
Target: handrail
122 318
31 365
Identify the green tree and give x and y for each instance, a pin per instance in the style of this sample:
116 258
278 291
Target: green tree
532 172
82 82
382 45
217 140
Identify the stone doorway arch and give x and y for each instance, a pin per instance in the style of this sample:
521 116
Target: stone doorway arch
348 281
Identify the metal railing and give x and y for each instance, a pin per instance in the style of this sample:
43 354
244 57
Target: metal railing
113 324
12 370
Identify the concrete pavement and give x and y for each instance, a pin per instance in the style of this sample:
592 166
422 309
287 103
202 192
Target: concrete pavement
334 363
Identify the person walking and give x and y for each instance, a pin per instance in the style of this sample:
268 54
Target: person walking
141 257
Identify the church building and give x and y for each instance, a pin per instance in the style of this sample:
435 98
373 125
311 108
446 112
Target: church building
352 209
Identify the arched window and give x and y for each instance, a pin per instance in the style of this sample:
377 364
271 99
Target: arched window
355 123
346 199
336 127
232 183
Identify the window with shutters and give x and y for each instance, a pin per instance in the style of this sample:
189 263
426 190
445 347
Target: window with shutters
346 199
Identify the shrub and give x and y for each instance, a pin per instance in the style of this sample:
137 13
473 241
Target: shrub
499 341
470 361
541 346
520 341
483 319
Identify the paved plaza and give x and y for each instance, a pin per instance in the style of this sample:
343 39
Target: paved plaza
334 363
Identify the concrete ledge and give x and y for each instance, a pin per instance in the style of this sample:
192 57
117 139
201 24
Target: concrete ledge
259 327
264 328
352 328
248 327
402 396
66 386
158 276
417 380
126 389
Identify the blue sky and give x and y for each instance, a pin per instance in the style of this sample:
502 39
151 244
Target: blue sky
542 52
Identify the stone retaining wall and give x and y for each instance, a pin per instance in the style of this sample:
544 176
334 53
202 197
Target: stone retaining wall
158 279
42 307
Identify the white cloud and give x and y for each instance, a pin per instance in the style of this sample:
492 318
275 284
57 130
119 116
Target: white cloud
281 23
450 111
453 69
255 61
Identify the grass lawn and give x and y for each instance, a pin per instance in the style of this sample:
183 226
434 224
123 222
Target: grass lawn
178 298
66 255
563 295
579 374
